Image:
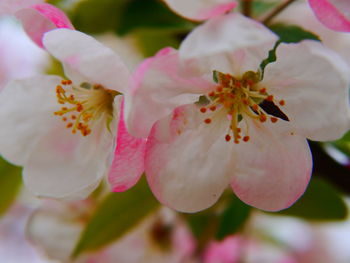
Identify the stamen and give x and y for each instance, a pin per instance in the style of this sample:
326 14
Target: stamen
282 102
227 137
273 119
203 110
207 121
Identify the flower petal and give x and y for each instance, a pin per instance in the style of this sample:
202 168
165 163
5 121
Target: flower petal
199 9
12 6
334 14
66 165
228 34
41 18
273 167
158 87
84 56
26 107
188 163
317 104
128 163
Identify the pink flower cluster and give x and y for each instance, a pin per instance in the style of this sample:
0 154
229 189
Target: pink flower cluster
196 120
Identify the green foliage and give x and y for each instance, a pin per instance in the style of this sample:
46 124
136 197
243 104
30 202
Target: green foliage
343 144
232 218
115 216
10 182
150 14
292 33
261 7
321 202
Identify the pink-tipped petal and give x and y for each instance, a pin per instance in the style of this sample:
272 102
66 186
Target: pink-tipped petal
158 87
41 18
225 251
200 10
228 34
128 163
86 59
273 167
188 162
334 14
316 95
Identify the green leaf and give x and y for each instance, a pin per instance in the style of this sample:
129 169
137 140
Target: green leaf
292 33
261 7
343 144
271 58
321 202
150 14
233 218
10 182
116 215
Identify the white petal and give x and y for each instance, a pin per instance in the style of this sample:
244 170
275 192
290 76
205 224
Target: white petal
228 34
66 165
89 59
314 83
26 108
190 164
273 167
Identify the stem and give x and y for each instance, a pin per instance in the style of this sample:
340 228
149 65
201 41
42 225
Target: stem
247 7
275 12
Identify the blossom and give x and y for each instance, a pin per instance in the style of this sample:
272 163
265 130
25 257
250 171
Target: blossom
248 130
37 17
334 14
200 9
62 131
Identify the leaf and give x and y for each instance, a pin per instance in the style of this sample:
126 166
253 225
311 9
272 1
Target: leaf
321 202
292 33
10 182
261 7
150 14
233 218
116 215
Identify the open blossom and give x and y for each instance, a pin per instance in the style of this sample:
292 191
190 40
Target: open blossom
248 130
334 14
36 17
200 9
62 131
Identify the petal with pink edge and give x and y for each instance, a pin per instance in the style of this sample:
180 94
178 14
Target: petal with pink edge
334 14
41 18
85 58
128 163
228 34
317 104
26 107
189 163
199 9
158 87
273 167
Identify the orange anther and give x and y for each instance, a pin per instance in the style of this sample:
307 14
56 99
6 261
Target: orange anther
219 89
227 137
282 102
64 119
203 110
263 117
63 82
236 141
255 107
211 94
79 107
207 121
69 125
269 98
246 138
73 117
68 81
262 90
213 108
274 119
245 101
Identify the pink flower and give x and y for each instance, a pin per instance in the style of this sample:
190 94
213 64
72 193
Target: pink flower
200 9
334 14
195 150
63 132
36 17
225 251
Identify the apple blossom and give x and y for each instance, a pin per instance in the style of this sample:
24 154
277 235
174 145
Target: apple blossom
62 131
249 129
334 14
36 16
200 9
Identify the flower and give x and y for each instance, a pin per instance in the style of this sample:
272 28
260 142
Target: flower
200 9
248 130
37 17
334 14
62 131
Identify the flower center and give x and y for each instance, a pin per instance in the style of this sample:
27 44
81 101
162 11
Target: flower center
239 98
84 105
